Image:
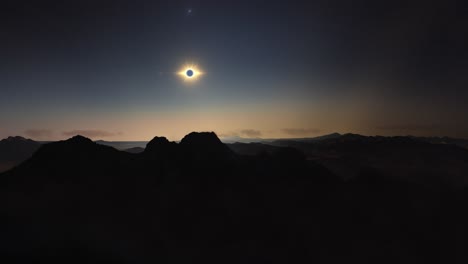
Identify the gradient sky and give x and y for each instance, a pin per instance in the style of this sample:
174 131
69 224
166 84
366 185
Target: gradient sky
107 69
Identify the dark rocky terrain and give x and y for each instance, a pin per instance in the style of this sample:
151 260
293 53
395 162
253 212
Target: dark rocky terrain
14 150
76 201
407 158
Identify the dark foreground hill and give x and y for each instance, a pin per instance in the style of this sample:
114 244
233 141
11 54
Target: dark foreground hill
14 150
198 201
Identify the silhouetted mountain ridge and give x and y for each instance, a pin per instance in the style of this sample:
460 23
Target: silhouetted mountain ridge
204 145
76 201
159 144
347 137
14 150
16 138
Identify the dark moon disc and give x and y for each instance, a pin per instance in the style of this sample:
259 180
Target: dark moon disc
189 73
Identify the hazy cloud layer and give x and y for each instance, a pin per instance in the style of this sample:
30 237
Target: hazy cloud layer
408 127
300 131
90 133
251 133
224 135
38 133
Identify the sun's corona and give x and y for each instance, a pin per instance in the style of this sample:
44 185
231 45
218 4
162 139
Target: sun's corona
190 72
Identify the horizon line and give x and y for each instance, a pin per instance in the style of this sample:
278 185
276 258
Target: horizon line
242 138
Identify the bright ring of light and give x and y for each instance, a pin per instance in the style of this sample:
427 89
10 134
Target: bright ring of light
190 72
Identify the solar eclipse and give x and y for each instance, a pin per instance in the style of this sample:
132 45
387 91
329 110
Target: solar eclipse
190 72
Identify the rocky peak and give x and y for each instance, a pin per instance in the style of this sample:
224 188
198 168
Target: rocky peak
159 145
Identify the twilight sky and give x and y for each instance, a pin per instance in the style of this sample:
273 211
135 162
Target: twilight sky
107 69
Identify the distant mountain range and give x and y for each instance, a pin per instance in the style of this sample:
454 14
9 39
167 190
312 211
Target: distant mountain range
122 145
15 150
237 139
423 160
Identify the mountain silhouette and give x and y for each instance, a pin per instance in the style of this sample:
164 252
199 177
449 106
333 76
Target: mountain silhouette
204 144
160 145
14 150
77 201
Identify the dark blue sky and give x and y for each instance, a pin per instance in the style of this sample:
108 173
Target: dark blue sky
107 69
